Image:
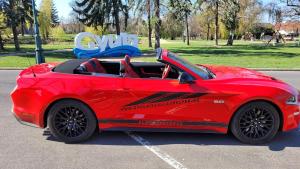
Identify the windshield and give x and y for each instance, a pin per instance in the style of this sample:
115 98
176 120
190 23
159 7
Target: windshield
201 71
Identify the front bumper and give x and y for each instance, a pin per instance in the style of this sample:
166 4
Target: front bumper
292 118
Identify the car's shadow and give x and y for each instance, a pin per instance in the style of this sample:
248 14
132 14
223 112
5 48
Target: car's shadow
281 141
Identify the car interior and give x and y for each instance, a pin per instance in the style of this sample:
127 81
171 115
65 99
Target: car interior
122 68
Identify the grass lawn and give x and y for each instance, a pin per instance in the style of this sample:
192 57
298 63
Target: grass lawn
244 54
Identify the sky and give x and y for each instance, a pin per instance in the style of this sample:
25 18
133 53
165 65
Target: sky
64 9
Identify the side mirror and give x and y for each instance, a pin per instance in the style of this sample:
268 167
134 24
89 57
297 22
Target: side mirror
185 78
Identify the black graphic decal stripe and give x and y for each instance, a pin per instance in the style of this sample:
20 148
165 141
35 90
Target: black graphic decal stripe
190 96
117 121
169 97
165 96
147 99
162 122
193 123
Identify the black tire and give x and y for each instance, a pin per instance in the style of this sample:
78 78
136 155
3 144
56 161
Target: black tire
255 123
71 121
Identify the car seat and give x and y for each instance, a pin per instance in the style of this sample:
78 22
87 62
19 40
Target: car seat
126 68
92 65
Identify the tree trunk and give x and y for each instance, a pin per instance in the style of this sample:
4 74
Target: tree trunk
126 19
149 23
208 31
16 40
31 29
125 25
187 29
116 15
1 42
117 24
157 23
230 38
47 34
217 23
22 28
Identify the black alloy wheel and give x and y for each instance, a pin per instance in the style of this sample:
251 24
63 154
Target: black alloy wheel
256 123
71 121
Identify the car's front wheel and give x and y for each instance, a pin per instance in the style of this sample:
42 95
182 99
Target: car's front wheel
71 121
255 123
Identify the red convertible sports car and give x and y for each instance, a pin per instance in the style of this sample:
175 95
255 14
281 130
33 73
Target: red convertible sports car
77 97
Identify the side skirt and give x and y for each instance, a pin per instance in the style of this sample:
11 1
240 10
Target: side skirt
163 130
167 126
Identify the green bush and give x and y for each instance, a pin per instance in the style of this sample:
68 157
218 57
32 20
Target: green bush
58 34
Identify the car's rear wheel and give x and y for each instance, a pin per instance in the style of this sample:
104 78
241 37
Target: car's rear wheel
71 121
255 123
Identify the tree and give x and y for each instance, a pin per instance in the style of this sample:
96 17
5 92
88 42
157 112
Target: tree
206 18
157 23
171 27
44 18
14 10
71 24
276 13
48 17
182 9
149 23
295 6
102 13
259 29
54 15
230 18
250 14
58 33
2 26
26 15
146 5
215 5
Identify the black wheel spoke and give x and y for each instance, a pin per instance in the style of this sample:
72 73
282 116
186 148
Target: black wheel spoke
256 123
70 122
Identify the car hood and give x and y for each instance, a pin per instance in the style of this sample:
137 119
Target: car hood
249 77
228 72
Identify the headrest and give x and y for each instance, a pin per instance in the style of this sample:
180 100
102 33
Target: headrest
127 59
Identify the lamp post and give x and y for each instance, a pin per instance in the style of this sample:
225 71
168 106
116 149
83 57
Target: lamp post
38 43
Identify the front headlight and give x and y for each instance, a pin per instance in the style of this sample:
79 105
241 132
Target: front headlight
292 100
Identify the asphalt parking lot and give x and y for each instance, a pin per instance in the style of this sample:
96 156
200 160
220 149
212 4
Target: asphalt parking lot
25 147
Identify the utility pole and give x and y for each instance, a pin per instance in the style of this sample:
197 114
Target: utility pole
217 23
38 43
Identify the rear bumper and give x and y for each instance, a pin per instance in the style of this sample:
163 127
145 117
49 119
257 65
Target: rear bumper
24 122
26 106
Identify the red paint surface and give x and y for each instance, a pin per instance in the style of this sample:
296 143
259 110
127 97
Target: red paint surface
107 96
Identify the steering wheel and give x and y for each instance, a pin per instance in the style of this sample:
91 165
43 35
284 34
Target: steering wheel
166 71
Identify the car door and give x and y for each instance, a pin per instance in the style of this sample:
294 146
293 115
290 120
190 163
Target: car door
160 103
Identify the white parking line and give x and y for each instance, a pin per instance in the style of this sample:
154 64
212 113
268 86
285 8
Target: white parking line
162 155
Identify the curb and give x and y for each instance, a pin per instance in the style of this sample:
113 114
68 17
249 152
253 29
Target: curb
12 68
275 69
